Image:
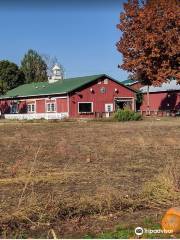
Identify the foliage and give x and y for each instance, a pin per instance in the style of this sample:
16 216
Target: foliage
50 62
127 115
10 76
139 97
34 67
150 41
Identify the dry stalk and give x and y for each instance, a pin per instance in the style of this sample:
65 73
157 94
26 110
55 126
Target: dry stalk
53 233
29 176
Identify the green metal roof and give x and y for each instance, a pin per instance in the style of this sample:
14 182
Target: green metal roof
59 87
45 88
128 82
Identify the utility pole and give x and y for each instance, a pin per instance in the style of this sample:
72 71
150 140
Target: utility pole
148 102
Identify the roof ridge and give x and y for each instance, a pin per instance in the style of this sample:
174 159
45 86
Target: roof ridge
86 76
95 75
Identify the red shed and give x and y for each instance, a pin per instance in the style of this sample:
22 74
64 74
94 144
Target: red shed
162 99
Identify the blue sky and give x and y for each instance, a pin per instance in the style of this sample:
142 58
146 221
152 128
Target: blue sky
81 36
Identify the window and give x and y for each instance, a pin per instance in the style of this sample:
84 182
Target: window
31 107
103 90
109 107
51 107
106 81
85 107
99 81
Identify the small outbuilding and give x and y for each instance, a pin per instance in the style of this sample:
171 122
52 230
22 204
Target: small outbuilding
164 99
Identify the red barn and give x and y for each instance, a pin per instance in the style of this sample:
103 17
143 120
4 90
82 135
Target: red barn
90 96
163 99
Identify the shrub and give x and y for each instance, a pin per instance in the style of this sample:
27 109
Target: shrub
127 115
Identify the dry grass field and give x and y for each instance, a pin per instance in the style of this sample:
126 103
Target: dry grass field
72 179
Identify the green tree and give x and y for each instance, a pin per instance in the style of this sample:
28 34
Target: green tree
34 67
10 76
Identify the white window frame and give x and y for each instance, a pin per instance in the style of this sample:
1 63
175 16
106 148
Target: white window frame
29 105
106 80
122 99
86 112
109 104
50 104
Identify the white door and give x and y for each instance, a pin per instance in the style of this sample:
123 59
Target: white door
108 109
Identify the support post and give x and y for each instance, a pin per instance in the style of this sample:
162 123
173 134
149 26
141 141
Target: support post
148 102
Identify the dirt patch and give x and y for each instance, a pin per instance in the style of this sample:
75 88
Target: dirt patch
86 175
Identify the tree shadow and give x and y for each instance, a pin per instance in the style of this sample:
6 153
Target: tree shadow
7 108
169 103
4 108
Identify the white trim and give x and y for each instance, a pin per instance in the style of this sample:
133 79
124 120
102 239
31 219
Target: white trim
57 97
30 104
106 81
124 97
122 100
50 103
46 105
92 107
51 98
109 104
38 99
26 97
128 99
31 116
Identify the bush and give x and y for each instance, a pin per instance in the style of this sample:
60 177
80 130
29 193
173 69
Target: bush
127 115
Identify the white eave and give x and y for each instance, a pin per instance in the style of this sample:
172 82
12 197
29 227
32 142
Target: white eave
50 94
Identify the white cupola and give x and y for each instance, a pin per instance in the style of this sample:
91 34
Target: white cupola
56 74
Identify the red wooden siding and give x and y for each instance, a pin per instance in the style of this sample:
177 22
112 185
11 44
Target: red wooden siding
162 101
96 97
22 106
40 106
62 105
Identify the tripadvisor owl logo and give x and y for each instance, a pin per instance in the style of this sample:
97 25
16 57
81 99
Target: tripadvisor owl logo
139 231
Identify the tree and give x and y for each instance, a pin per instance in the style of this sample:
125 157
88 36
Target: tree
34 67
150 42
10 76
50 62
